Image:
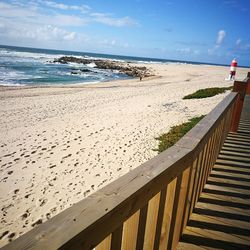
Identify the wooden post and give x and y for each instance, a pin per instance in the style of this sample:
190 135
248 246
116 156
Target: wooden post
239 87
248 84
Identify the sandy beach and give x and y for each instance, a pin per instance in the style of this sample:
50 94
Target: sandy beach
60 144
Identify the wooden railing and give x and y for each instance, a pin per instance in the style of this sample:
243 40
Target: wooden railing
147 208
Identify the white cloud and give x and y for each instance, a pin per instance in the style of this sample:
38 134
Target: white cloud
220 37
107 19
50 32
188 51
37 32
184 50
219 40
36 12
238 41
111 43
62 6
50 22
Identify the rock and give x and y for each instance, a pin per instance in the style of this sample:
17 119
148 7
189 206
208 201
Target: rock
122 67
85 70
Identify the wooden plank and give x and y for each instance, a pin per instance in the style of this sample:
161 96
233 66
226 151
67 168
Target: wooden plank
212 240
235 142
216 219
160 218
242 185
224 209
174 212
152 215
233 153
116 239
235 148
219 235
142 227
226 200
238 139
105 244
237 135
234 158
195 186
211 152
230 176
188 246
130 229
179 208
203 164
190 188
167 215
232 163
231 169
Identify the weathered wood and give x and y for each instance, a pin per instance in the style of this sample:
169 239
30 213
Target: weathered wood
130 229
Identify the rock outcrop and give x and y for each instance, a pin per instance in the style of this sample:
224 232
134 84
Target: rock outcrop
122 67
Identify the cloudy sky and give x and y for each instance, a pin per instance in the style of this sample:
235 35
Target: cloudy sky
196 30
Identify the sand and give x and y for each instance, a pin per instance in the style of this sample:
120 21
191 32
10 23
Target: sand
60 144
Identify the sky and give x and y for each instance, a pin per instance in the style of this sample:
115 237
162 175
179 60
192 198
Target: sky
212 31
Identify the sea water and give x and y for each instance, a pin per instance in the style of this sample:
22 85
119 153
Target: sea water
31 66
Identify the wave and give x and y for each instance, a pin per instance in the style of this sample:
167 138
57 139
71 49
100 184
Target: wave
20 67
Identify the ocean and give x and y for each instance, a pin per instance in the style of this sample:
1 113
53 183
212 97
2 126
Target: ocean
20 66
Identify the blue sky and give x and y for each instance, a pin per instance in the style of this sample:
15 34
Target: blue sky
213 31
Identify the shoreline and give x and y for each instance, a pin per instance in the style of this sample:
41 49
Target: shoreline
61 143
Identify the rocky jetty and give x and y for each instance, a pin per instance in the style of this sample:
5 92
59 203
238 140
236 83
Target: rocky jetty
122 67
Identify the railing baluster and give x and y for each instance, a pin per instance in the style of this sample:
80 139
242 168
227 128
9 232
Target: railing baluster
206 164
188 204
160 218
153 207
167 214
105 244
130 229
116 240
180 194
196 179
142 227
202 164
174 213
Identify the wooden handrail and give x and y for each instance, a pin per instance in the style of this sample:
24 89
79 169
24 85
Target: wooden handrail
148 206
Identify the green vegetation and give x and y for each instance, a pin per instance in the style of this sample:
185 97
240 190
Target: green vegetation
203 93
176 132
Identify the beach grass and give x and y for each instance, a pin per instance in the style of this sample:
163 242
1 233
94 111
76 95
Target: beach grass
208 92
176 132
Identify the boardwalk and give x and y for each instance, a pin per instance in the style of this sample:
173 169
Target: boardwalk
221 218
